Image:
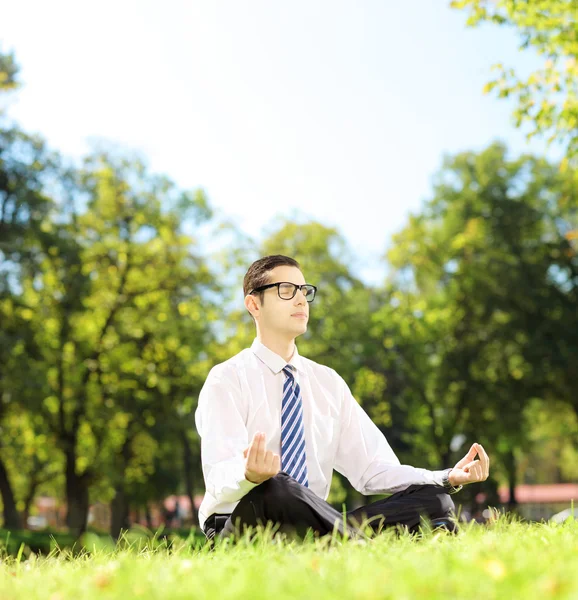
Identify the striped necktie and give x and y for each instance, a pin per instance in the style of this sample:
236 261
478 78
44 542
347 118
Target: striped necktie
293 458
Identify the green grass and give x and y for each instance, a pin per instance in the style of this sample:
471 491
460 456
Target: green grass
504 560
43 542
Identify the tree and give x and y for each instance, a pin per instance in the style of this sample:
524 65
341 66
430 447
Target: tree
483 292
25 168
108 273
553 443
159 390
106 309
547 99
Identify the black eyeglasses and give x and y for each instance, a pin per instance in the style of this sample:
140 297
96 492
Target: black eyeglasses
288 290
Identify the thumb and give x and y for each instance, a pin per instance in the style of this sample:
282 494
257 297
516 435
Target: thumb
245 452
469 465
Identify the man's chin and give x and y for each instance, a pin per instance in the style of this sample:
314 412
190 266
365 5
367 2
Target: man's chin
300 329
297 328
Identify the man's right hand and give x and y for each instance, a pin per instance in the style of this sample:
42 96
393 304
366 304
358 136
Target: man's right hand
261 464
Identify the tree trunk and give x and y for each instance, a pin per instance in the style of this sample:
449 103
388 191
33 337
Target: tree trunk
76 496
37 477
148 516
12 520
119 518
446 456
28 500
119 509
188 473
512 479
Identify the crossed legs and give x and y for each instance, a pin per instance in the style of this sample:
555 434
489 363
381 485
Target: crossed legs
296 509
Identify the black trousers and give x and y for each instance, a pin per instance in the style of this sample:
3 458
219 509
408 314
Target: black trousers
296 509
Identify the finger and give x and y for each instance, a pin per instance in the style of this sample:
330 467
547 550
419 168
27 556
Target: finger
481 454
468 457
253 450
261 450
268 461
485 459
471 468
246 452
477 473
478 470
485 463
276 463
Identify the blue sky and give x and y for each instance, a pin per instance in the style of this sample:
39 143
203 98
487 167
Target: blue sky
335 110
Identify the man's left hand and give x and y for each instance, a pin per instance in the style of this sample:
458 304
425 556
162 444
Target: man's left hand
469 470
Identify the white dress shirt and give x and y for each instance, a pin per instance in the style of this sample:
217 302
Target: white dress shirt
243 395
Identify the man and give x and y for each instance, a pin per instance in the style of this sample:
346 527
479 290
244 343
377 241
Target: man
274 425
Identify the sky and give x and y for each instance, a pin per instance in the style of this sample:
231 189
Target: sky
337 111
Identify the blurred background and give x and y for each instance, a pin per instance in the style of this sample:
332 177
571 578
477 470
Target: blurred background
420 160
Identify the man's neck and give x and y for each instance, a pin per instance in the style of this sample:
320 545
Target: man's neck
285 348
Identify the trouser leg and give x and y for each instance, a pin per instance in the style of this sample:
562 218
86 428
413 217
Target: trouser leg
295 508
407 508
284 501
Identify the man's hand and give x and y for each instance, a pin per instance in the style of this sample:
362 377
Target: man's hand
469 470
261 464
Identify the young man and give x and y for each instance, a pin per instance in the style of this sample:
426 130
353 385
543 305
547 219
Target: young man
274 425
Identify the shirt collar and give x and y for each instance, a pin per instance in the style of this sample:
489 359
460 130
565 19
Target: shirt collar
275 362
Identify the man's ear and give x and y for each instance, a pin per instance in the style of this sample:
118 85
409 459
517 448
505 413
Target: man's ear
252 305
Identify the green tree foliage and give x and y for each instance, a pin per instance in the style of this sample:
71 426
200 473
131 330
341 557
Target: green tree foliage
547 99
552 446
8 72
107 310
483 291
25 168
112 312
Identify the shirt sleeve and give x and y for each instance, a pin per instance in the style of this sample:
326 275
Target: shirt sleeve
224 436
365 457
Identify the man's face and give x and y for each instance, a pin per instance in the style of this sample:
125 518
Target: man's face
286 317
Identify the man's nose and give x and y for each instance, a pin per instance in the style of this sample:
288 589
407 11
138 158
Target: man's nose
300 297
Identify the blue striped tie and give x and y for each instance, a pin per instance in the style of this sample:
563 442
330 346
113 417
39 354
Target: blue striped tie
293 458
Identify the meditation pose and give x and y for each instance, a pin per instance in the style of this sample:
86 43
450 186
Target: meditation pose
274 424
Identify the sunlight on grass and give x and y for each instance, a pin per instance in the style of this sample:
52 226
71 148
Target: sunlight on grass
507 559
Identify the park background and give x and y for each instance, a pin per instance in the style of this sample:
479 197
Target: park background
148 155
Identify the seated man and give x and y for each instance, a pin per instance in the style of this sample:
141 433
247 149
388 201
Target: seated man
274 425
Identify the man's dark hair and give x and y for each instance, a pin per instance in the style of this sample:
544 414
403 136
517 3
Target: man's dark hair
258 273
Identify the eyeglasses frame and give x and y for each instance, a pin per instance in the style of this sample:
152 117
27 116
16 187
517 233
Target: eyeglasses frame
295 288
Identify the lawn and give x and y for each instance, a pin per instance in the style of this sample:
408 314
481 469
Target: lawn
502 560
